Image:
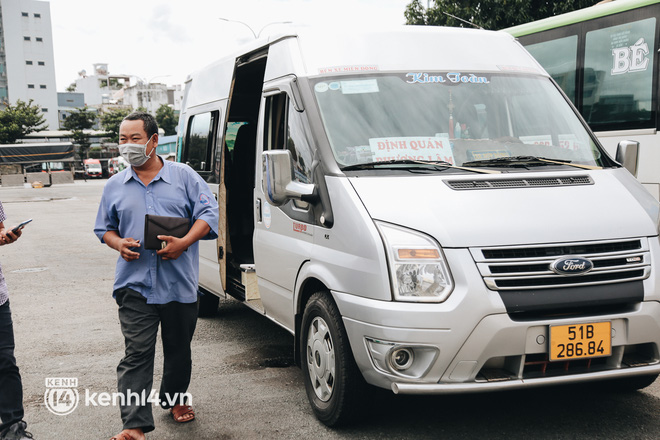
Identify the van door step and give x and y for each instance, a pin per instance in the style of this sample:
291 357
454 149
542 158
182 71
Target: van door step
247 268
249 281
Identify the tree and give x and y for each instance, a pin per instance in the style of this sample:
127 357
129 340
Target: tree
17 121
77 121
489 14
111 120
166 119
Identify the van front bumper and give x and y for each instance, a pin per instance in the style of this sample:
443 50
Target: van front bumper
479 387
460 352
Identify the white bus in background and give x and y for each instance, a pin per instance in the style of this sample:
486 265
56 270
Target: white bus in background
605 59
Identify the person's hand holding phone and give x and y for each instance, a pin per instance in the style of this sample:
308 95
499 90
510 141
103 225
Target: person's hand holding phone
8 236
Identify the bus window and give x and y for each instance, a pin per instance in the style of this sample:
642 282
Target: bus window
559 58
618 74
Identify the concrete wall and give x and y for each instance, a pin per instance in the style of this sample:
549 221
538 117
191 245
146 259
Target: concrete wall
37 177
61 177
12 179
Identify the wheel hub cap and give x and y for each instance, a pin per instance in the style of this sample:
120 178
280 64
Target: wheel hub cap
321 359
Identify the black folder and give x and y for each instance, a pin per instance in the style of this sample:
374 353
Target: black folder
155 225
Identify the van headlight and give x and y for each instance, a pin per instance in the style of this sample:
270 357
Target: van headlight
418 269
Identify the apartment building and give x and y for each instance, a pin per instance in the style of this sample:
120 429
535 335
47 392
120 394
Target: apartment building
27 62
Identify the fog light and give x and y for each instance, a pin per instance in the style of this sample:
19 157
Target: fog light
401 358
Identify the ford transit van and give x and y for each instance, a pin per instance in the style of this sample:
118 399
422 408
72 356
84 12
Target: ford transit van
426 212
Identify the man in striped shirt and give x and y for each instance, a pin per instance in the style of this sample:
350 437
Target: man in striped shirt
12 425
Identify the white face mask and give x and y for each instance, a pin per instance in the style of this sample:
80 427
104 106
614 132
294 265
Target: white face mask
135 154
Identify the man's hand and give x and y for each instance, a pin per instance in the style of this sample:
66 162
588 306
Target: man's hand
124 247
8 237
175 247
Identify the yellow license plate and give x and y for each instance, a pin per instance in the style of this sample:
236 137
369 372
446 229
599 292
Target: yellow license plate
579 341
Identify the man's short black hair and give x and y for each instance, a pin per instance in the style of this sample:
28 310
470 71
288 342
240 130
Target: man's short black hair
150 124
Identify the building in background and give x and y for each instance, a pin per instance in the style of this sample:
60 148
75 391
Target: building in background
68 102
103 90
27 63
101 87
146 95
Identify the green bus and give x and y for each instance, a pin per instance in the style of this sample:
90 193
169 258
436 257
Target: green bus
603 57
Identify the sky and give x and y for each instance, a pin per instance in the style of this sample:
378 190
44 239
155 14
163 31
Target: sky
163 41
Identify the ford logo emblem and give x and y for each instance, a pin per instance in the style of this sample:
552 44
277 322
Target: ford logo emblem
571 266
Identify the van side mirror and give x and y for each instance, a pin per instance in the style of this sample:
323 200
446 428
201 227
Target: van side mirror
627 154
278 182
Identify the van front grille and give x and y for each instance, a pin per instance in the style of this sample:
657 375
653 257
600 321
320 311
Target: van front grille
557 251
529 267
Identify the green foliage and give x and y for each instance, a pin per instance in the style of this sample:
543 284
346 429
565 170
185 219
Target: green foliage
111 120
80 119
17 121
77 121
489 14
166 119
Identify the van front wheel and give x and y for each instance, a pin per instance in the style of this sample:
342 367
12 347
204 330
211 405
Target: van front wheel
332 379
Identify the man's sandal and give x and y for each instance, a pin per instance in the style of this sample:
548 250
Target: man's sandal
180 411
125 435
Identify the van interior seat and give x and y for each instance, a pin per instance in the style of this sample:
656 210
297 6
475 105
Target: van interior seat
240 194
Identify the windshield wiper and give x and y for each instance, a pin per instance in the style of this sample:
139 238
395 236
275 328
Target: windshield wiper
436 163
518 160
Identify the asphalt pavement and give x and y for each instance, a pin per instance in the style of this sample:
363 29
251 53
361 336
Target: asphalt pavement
244 384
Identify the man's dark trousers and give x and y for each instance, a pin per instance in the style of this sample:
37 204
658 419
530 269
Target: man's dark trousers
11 388
139 325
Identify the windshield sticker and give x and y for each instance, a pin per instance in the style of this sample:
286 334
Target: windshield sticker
334 86
411 148
486 154
321 87
359 86
453 77
566 141
348 69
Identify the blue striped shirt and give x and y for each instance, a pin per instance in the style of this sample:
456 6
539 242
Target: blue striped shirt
4 294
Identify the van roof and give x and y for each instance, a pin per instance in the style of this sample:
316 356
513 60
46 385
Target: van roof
317 51
399 48
425 48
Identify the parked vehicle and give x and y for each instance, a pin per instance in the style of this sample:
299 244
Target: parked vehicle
116 164
92 168
426 212
602 58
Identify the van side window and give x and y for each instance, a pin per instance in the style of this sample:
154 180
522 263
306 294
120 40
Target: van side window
198 144
285 130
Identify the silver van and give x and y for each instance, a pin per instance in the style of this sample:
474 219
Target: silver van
425 211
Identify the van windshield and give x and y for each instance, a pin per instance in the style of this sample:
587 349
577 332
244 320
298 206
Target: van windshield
490 120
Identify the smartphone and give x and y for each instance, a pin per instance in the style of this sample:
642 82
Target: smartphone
21 226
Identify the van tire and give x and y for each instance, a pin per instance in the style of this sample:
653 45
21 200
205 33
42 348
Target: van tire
333 395
207 305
